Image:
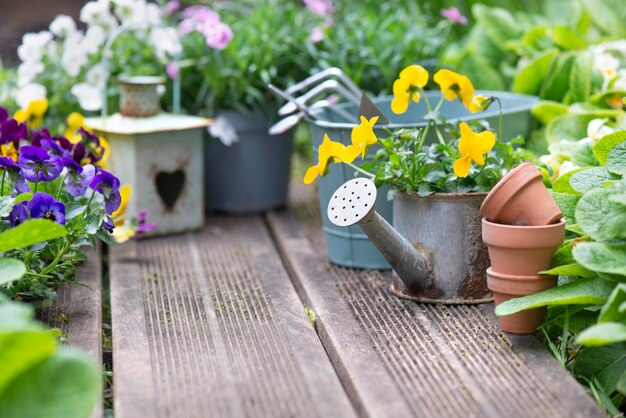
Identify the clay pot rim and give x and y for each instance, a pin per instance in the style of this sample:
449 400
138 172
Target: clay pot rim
500 188
495 225
141 80
516 277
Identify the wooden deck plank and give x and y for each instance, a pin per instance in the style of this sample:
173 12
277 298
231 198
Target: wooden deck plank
208 324
428 360
78 311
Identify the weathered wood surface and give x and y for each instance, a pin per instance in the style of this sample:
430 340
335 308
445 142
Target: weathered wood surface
209 324
400 358
78 312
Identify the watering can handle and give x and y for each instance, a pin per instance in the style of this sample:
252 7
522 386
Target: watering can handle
106 54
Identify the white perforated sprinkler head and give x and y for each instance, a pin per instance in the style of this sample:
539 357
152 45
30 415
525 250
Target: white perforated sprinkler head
352 202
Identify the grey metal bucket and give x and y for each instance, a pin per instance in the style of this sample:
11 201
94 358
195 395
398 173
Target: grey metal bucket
251 175
350 247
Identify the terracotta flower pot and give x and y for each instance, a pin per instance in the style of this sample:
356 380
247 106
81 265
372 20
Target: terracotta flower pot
522 250
508 286
521 198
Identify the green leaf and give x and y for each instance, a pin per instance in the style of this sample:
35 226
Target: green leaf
602 257
621 384
603 334
605 363
11 270
578 292
589 179
29 233
573 269
564 254
567 203
499 24
580 78
531 78
7 203
604 145
546 110
566 38
66 384
611 310
582 155
616 160
609 15
562 184
568 127
601 218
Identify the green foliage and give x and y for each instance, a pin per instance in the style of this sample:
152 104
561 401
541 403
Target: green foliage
39 379
29 233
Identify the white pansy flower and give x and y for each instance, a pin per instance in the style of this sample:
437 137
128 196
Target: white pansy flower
28 93
89 96
224 131
63 26
96 12
93 40
96 75
153 14
74 56
27 71
32 46
165 41
566 167
597 128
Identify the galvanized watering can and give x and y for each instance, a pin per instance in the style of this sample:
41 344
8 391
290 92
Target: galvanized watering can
436 250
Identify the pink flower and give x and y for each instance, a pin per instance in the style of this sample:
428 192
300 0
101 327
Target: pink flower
201 14
217 34
317 35
320 7
453 15
170 8
172 70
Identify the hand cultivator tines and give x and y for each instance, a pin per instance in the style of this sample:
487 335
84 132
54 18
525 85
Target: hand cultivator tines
342 88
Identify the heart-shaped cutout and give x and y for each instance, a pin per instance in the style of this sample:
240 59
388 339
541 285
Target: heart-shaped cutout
170 186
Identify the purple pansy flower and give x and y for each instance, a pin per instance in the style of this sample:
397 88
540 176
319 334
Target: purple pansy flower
4 115
78 177
15 175
39 135
56 146
42 205
38 165
108 185
108 224
88 147
12 130
142 225
18 215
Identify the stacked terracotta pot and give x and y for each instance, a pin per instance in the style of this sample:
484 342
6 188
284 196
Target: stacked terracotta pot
522 227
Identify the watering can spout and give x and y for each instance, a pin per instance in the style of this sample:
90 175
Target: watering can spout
353 204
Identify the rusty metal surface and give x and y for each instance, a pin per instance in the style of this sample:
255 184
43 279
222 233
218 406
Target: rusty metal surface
445 361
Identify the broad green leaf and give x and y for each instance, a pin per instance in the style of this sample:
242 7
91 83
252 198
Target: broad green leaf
582 155
616 160
608 99
603 334
66 384
601 218
604 145
589 179
11 270
618 198
566 38
499 24
580 78
568 127
29 233
563 12
611 310
546 110
573 269
609 15
480 70
602 257
564 254
562 184
567 203
621 384
531 78
558 78
7 203
604 363
578 292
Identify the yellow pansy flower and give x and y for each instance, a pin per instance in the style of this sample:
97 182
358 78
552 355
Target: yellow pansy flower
328 150
125 192
478 103
455 86
407 86
74 122
362 136
472 147
9 150
33 114
123 233
106 152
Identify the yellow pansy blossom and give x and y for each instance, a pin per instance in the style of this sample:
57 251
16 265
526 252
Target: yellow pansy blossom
406 87
106 152
125 192
362 136
123 233
328 150
33 114
472 147
478 103
9 150
74 122
454 86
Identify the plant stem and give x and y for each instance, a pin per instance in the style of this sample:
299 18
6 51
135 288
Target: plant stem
93 193
563 358
61 185
501 117
360 170
426 101
56 260
3 177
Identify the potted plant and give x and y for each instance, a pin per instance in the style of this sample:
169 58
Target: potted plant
433 184
424 129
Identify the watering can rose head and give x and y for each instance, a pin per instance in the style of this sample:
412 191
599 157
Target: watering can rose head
469 159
